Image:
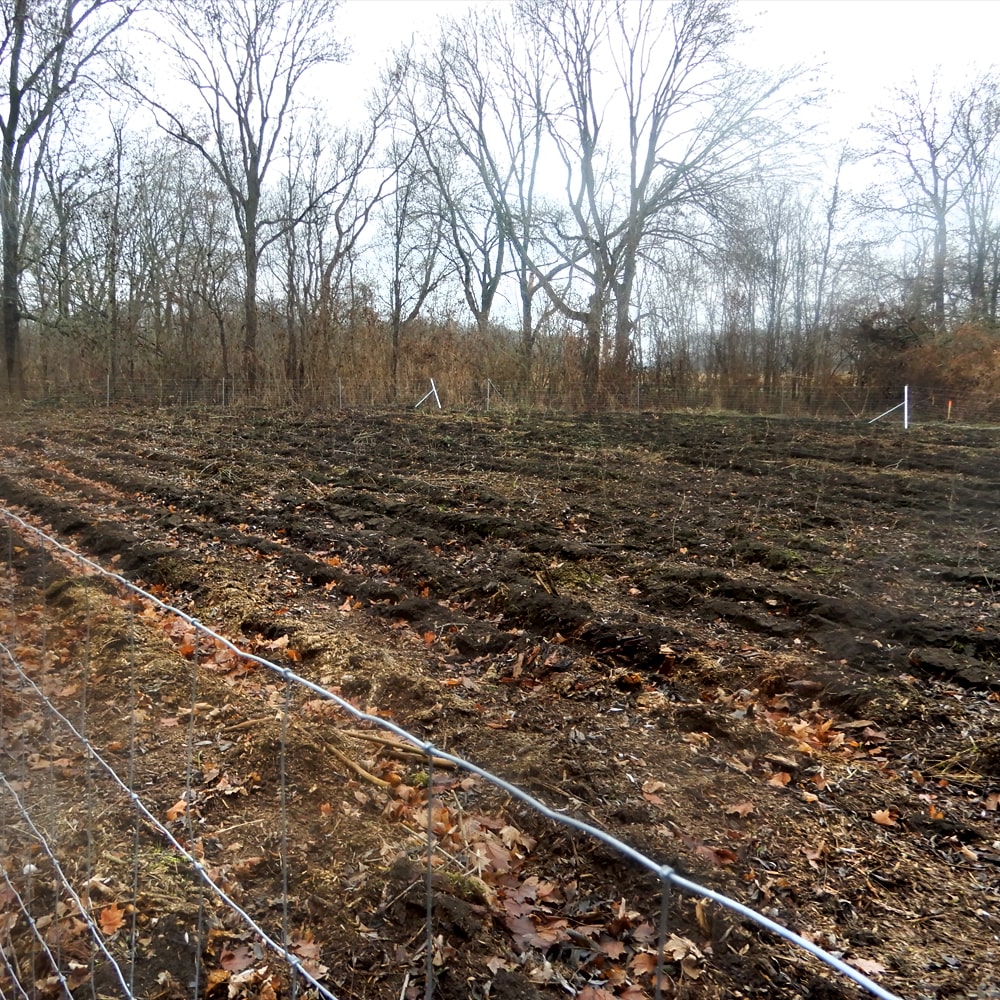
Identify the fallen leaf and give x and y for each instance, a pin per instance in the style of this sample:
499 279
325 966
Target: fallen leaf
780 779
496 857
612 947
112 918
645 933
177 810
885 817
992 801
815 854
236 959
512 837
689 967
594 993
741 809
868 966
305 947
644 964
717 855
215 978
633 992
703 916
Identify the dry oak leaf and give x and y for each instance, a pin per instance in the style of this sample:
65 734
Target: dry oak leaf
236 959
643 964
512 837
611 947
717 855
689 966
885 817
741 809
112 918
780 779
649 790
305 946
678 947
177 810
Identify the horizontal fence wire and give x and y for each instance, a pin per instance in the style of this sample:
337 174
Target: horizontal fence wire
668 876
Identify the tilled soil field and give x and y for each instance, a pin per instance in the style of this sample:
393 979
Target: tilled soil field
759 650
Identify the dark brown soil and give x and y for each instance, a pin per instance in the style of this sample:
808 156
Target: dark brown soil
760 650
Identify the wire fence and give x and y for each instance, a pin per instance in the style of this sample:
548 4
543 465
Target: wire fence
81 911
785 397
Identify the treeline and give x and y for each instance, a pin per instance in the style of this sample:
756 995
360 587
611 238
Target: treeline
554 195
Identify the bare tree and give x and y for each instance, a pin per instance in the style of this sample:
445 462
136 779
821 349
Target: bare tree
414 224
342 175
693 124
244 62
921 134
978 129
132 255
358 178
47 49
476 242
488 97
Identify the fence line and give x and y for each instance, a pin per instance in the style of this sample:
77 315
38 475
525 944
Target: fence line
668 876
644 393
149 817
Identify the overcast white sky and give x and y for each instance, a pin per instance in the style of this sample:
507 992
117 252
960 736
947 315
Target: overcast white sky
867 46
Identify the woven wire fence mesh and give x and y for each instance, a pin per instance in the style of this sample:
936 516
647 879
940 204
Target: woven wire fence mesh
94 895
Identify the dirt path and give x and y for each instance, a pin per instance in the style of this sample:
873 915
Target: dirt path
762 650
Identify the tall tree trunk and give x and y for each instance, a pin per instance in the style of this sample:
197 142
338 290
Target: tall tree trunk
11 302
592 350
624 324
940 260
527 342
251 363
394 360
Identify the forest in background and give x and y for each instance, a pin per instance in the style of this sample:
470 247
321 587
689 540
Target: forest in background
570 197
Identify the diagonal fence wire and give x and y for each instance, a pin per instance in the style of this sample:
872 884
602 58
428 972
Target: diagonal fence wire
667 875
